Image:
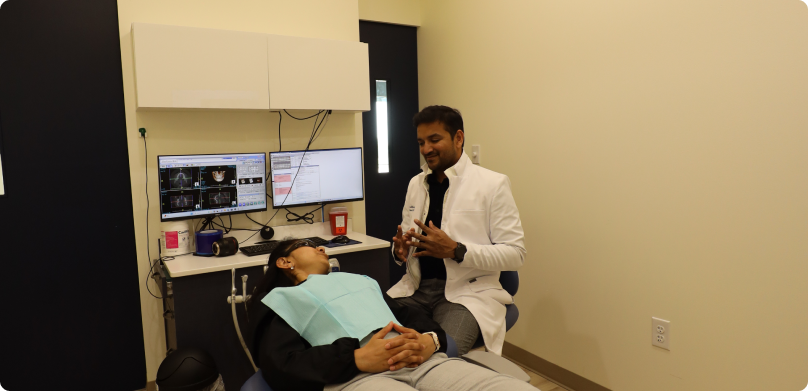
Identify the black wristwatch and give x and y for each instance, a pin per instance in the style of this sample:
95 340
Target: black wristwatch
460 252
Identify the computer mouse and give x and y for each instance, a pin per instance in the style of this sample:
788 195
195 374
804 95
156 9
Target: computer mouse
342 239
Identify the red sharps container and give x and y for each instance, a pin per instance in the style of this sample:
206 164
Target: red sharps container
339 220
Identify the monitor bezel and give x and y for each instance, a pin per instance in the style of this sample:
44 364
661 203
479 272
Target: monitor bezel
361 167
212 215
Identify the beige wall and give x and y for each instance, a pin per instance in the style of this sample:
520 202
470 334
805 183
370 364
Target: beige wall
227 131
657 152
405 12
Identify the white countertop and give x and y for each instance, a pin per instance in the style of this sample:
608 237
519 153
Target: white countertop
189 264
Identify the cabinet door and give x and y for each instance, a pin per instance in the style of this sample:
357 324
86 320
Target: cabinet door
195 68
307 73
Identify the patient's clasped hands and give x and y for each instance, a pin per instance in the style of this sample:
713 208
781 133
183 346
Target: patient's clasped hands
409 349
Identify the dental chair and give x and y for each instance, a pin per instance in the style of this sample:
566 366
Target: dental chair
510 282
256 383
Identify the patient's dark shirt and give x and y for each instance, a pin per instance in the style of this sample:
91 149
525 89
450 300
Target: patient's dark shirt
289 362
431 267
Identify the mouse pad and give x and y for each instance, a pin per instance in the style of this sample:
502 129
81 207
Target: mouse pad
341 244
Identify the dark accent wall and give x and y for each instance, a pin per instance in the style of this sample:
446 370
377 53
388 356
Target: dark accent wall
68 279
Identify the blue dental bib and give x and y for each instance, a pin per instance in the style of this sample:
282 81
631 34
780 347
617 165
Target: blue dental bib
328 307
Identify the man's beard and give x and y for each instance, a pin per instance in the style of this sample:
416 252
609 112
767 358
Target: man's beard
444 161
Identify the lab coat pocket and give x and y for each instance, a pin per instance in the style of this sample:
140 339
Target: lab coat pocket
489 286
484 283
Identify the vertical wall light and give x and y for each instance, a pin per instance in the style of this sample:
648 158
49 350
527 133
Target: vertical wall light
381 125
2 187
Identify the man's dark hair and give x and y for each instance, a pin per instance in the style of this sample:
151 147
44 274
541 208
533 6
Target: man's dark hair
450 118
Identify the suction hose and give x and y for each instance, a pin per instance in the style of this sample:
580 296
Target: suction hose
235 319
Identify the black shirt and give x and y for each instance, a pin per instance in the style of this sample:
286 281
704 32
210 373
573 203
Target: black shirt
289 362
432 267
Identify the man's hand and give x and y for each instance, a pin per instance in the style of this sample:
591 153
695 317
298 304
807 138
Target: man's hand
400 244
435 243
375 356
428 346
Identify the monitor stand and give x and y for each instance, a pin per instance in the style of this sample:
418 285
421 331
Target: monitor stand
207 223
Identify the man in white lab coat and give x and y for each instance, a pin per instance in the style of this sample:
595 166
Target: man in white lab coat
460 227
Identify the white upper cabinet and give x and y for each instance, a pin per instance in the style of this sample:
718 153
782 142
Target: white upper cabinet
195 68
307 73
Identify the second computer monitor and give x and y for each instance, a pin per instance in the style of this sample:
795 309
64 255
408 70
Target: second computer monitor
316 176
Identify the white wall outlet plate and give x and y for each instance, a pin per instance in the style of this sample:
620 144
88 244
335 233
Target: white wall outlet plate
661 333
475 154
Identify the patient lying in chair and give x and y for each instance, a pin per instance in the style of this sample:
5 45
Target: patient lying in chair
340 332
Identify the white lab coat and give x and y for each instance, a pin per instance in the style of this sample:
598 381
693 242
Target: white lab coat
478 211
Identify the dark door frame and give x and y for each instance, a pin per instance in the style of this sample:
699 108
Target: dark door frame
393 56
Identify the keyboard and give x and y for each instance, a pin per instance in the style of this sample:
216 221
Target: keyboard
318 241
259 249
266 248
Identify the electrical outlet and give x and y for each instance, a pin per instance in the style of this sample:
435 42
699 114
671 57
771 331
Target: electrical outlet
142 132
661 333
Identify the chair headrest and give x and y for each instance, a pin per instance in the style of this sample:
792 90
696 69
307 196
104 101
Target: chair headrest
259 318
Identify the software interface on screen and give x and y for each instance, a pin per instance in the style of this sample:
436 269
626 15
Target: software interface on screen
328 175
199 185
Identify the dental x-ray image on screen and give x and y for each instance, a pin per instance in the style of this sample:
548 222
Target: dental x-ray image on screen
180 178
217 176
182 201
219 199
201 186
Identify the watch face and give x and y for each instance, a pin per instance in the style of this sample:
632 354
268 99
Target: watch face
460 251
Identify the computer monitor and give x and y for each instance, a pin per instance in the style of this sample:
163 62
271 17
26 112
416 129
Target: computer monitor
316 177
199 186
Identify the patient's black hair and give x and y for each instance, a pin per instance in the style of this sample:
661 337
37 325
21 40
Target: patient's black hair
274 277
261 315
